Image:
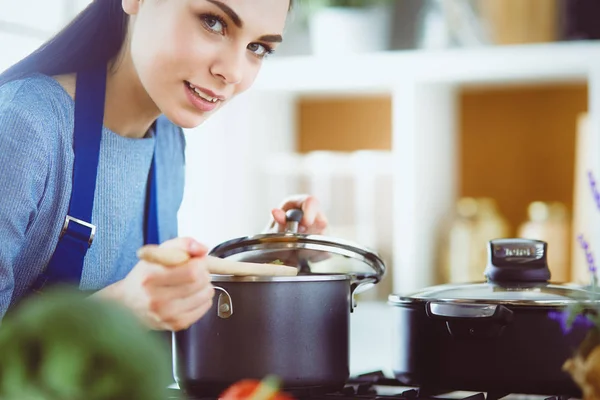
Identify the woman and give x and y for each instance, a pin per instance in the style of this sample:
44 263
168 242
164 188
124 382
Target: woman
92 150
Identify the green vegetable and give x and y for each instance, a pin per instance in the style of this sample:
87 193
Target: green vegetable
267 388
277 262
63 346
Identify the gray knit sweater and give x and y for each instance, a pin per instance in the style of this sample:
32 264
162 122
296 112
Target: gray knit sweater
36 163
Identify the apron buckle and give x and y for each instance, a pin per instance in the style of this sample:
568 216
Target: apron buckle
79 230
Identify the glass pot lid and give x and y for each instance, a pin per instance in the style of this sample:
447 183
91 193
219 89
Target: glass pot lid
517 273
311 254
527 295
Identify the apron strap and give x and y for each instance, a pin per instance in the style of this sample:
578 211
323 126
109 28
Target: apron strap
77 235
89 119
151 212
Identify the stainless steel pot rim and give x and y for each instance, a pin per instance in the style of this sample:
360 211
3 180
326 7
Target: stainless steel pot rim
299 278
295 241
397 300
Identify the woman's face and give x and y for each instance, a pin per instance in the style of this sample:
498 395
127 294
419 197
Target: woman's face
192 56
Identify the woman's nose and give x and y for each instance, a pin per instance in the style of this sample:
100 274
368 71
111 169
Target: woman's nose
229 66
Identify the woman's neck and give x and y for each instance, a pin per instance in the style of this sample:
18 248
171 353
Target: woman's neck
128 110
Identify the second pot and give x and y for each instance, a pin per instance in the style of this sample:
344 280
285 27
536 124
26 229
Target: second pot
496 337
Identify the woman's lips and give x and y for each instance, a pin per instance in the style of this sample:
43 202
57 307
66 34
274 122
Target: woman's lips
200 103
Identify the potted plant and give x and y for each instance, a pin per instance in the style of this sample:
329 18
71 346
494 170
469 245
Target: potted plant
584 365
348 26
63 345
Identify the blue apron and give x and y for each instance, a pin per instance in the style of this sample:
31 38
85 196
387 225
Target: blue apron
77 235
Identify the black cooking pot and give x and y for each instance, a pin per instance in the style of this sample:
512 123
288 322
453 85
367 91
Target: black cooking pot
495 336
296 328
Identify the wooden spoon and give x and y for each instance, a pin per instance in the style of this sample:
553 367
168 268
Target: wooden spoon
218 266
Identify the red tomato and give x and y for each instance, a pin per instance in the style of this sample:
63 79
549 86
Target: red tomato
244 389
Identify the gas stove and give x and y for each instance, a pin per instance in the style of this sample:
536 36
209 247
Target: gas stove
376 386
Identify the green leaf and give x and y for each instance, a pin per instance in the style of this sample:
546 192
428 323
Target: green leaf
267 388
78 348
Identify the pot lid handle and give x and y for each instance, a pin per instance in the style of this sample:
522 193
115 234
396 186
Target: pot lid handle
293 218
517 261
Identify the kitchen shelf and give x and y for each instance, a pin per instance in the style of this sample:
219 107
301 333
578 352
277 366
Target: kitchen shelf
425 89
515 145
384 72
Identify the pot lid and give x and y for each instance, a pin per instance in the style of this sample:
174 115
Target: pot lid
529 295
517 274
311 254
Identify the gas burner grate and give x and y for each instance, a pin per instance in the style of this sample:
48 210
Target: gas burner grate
377 386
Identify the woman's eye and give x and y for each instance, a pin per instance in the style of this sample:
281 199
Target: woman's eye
260 50
213 23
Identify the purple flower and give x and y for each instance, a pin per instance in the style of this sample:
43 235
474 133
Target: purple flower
594 188
588 255
590 260
562 317
575 316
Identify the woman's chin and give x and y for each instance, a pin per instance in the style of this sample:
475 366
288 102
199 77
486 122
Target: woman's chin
186 119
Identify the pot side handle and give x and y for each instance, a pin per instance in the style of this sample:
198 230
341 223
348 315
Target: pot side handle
224 303
471 320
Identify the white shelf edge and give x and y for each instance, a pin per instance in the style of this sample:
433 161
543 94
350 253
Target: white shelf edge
383 72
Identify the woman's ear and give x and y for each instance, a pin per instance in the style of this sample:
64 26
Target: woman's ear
131 7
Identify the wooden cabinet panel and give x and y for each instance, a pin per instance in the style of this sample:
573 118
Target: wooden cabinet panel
344 124
517 145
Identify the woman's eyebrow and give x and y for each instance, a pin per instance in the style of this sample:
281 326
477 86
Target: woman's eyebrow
271 38
227 10
239 23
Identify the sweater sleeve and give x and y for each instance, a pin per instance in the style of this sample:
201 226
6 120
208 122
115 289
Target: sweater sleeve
24 167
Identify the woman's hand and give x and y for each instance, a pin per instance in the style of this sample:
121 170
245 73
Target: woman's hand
313 222
168 298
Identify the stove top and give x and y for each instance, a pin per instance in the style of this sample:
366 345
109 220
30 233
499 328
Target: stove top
376 386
